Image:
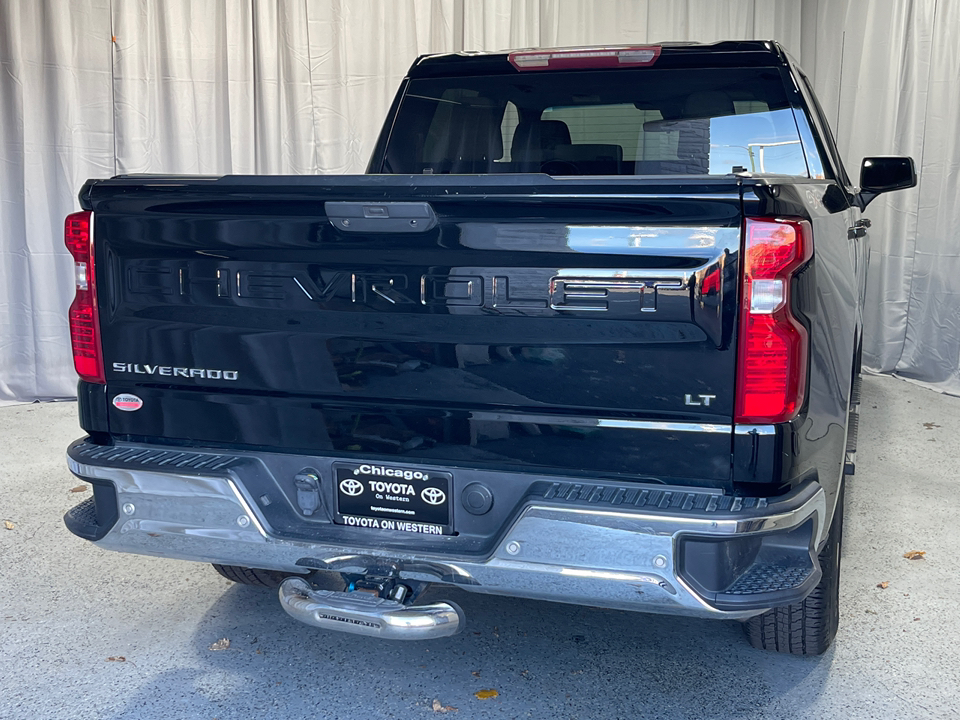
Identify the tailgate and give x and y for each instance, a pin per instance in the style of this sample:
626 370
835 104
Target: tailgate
578 325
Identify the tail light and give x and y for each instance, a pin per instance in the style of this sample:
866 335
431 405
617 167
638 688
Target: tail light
772 359
84 322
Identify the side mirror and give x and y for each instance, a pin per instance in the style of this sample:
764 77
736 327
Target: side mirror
883 174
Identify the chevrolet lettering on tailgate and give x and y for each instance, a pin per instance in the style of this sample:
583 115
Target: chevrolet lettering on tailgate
397 291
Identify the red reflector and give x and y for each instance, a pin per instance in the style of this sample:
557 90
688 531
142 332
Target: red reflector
84 321
584 58
772 360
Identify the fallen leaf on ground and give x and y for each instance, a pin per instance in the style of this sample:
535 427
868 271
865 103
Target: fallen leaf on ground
883 585
79 488
221 644
915 554
8 525
486 694
118 658
440 708
930 426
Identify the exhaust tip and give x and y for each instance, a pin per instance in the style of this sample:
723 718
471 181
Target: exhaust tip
363 614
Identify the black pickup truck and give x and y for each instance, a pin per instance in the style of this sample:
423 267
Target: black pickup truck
587 331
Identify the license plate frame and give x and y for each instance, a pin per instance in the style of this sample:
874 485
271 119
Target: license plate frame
393 499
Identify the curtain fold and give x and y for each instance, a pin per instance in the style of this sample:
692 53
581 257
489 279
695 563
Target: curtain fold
89 88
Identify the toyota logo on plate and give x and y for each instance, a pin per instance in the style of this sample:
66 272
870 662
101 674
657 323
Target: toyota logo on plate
433 496
351 487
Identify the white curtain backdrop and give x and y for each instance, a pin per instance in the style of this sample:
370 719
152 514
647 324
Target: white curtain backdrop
888 74
92 88
56 130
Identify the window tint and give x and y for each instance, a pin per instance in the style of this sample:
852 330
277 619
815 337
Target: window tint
622 122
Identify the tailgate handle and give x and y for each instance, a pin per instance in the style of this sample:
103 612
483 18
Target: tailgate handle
373 217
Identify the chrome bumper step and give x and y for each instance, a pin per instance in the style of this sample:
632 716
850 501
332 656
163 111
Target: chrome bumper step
365 614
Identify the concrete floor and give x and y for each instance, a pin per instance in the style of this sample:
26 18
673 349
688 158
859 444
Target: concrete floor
66 608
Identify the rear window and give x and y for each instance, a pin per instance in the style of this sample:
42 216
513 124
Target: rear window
622 122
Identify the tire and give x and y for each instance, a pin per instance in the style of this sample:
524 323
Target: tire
807 627
252 576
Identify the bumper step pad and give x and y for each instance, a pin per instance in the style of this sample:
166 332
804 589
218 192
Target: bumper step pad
769 579
93 518
82 519
115 455
666 499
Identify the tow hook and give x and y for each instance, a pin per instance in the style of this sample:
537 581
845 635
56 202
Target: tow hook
364 611
382 587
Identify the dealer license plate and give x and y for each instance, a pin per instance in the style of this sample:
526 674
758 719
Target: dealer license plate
392 499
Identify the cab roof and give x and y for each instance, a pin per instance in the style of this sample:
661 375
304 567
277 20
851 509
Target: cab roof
728 53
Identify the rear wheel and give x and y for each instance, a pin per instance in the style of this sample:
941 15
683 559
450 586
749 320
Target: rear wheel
252 576
807 627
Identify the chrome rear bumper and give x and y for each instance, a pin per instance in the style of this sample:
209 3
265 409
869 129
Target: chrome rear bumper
598 556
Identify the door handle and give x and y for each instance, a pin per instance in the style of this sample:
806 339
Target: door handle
859 229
